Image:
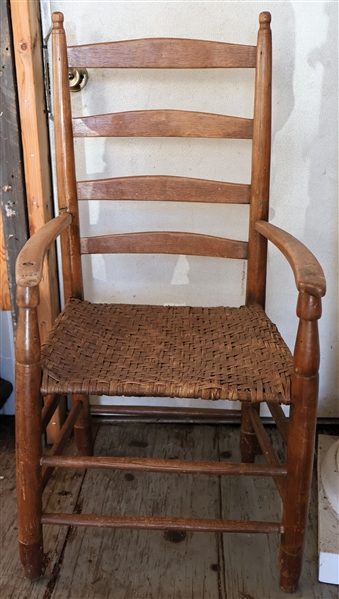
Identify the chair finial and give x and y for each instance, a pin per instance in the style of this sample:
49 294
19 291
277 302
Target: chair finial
265 20
58 20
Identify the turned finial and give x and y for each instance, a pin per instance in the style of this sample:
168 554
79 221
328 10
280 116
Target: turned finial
265 20
58 20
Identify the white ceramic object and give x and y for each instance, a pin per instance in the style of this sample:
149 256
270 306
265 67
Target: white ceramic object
330 475
328 522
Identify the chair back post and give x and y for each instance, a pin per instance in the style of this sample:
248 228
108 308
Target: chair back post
261 155
65 162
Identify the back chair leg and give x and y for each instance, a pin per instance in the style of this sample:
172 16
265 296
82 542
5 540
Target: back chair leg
83 428
249 446
300 455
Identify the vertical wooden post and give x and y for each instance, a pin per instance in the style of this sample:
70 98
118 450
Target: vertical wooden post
261 155
260 188
28 432
5 302
65 165
67 198
13 202
301 441
30 80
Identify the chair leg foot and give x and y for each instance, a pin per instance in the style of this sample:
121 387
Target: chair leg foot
290 570
31 557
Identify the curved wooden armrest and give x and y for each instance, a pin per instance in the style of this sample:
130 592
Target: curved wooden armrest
31 258
309 275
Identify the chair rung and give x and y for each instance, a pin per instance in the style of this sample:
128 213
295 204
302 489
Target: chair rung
157 465
196 524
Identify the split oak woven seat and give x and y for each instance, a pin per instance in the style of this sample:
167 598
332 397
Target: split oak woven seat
162 351
166 351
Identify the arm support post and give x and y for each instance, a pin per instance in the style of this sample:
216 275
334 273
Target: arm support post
28 432
302 429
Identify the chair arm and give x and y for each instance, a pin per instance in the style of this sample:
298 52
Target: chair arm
31 258
308 274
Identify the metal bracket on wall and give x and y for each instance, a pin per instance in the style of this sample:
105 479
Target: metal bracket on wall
77 79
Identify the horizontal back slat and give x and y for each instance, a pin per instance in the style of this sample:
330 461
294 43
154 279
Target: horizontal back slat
163 123
163 53
164 242
164 188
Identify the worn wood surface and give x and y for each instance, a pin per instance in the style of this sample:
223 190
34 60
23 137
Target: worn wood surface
65 163
60 495
163 123
29 267
163 53
165 189
5 300
13 202
31 94
114 564
164 242
261 161
309 275
29 70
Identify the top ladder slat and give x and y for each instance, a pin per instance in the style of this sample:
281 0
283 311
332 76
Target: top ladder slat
163 53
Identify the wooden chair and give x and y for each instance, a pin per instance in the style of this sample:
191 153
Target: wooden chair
134 350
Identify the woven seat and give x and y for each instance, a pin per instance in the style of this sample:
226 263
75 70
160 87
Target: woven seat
164 351
208 353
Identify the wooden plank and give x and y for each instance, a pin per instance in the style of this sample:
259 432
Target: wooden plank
5 300
164 242
163 123
257 578
30 80
146 564
13 203
156 564
61 494
163 53
164 189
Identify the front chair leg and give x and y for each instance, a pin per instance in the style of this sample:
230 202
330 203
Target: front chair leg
301 442
249 445
300 455
83 428
28 433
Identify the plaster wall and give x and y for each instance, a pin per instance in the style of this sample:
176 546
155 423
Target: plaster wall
304 155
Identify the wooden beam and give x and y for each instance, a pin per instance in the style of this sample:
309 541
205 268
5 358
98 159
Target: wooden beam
5 302
13 230
30 81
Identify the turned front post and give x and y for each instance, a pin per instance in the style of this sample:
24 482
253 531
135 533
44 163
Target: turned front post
28 432
302 429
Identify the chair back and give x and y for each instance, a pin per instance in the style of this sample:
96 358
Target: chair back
164 53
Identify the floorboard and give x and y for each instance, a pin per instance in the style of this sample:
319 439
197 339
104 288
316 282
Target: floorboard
120 564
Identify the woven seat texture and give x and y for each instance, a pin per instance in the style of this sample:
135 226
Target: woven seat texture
208 353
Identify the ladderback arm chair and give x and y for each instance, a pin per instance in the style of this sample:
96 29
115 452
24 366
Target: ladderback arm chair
166 351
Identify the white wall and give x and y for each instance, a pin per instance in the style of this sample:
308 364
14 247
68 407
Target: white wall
7 357
304 154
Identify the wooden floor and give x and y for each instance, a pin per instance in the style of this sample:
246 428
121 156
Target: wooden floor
120 564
